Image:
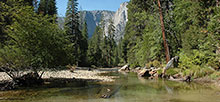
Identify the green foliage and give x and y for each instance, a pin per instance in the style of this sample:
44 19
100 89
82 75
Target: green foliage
103 51
34 41
192 33
172 71
47 7
84 46
78 41
134 33
94 50
154 63
198 71
159 71
215 75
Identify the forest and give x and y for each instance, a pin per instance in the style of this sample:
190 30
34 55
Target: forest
156 31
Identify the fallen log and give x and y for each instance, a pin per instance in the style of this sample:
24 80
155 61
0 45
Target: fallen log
185 79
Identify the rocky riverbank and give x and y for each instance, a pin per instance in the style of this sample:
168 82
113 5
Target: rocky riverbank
152 73
77 74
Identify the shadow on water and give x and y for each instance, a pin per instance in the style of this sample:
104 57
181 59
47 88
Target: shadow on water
127 88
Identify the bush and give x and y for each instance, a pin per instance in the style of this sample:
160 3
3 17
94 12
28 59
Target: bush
35 41
172 71
215 75
154 63
198 71
214 63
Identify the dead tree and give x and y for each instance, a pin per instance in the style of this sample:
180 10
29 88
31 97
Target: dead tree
163 31
169 64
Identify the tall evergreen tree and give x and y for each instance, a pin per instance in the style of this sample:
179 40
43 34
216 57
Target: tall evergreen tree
6 17
94 49
134 31
111 44
47 7
84 46
72 30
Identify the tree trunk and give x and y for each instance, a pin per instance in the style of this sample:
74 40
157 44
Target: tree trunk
164 35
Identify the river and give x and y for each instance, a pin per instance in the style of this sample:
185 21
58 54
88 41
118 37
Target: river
128 88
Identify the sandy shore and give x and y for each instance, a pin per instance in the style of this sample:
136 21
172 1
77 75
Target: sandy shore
78 74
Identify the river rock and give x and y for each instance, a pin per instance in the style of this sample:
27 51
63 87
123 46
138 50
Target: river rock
144 73
124 68
177 76
152 72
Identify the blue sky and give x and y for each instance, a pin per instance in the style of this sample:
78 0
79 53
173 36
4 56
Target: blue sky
111 5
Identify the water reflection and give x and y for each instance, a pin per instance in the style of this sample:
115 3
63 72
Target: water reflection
128 88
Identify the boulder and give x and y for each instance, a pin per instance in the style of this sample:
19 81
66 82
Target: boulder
124 68
136 69
144 73
152 72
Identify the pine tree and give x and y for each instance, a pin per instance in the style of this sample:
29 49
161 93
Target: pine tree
52 9
84 46
6 17
29 2
47 7
137 21
72 29
94 49
112 44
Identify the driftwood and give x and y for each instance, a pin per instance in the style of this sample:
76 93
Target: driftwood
124 68
185 79
27 80
169 64
110 92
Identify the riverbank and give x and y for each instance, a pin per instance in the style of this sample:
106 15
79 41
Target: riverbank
208 81
172 75
79 73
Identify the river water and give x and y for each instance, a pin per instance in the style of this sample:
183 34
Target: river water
128 88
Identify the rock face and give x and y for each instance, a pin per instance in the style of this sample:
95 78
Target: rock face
120 19
93 19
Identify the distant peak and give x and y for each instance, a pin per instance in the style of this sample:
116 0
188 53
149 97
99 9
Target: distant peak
97 11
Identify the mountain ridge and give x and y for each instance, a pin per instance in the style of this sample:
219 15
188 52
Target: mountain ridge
94 17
